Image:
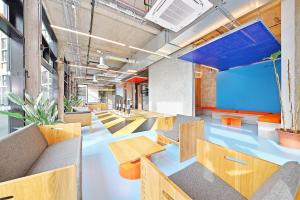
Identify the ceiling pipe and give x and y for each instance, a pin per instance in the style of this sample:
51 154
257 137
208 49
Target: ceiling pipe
90 31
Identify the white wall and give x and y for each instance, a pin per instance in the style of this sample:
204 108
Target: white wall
93 93
171 87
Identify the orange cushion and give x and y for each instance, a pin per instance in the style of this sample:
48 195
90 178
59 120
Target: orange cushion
205 108
225 111
271 118
253 112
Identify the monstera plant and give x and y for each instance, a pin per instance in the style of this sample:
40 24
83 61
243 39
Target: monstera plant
40 111
71 102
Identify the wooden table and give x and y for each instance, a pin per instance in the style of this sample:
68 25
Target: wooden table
129 151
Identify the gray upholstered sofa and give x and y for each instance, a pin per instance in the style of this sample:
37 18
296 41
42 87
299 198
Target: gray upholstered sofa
25 154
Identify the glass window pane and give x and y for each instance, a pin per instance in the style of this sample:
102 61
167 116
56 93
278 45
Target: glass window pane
4 81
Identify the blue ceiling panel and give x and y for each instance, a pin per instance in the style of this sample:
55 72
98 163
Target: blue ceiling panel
242 46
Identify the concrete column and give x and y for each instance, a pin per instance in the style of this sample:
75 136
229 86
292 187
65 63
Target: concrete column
33 38
290 41
60 101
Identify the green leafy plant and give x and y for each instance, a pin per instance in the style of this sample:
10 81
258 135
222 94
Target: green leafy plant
291 110
39 111
71 102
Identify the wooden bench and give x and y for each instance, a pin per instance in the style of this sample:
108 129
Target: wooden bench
242 172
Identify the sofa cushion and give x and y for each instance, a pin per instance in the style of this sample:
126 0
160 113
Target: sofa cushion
201 184
183 119
283 184
173 135
19 150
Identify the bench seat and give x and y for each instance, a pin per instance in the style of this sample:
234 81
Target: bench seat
201 184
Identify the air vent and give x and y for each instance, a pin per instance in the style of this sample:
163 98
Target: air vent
176 14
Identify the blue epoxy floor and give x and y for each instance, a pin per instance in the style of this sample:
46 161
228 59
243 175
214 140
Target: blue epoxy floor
100 170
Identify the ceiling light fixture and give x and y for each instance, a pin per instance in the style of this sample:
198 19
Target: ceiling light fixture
106 70
87 35
150 52
132 71
101 64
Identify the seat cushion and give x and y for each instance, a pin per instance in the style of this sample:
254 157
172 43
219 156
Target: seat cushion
183 119
173 135
60 155
19 150
201 184
283 184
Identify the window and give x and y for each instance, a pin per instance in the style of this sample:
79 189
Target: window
4 9
82 92
46 83
4 82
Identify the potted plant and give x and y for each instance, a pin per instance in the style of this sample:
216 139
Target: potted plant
288 137
70 103
39 111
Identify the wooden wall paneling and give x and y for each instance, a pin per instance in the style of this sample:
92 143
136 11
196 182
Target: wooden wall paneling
140 97
188 135
243 172
198 92
58 184
60 132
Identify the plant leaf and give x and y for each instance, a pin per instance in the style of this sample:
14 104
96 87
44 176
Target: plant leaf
12 114
15 99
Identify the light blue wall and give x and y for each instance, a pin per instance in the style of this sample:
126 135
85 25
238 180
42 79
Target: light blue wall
250 88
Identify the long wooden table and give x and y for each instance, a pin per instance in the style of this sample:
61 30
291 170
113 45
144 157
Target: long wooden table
128 153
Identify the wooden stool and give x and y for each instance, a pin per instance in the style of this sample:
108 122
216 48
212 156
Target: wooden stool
131 170
231 120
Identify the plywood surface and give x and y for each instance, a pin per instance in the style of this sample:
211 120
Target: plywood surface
133 149
60 132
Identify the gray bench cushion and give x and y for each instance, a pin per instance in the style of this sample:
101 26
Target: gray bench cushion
283 184
183 119
60 155
201 184
173 135
19 150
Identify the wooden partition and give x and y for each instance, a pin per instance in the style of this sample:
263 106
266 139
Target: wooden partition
85 118
156 186
164 123
188 134
60 132
243 172
58 184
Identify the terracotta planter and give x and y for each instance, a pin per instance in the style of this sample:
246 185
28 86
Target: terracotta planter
289 139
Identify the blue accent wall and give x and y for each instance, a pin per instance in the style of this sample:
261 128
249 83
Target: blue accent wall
250 88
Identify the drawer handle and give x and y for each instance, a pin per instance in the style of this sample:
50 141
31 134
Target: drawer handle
6 198
243 162
167 196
